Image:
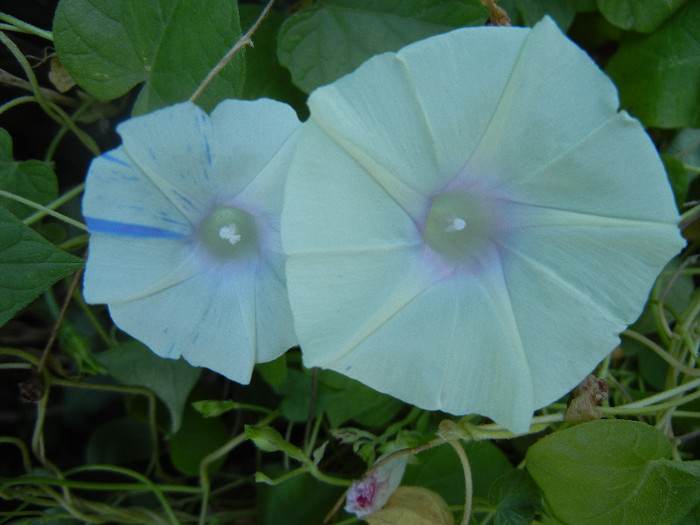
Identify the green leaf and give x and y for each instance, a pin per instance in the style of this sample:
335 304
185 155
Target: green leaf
268 439
678 177
196 438
532 11
265 77
440 470
274 372
613 471
30 265
658 75
171 380
31 179
686 147
298 501
333 37
110 46
639 15
516 498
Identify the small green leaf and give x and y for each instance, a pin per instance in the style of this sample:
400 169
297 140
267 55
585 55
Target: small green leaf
516 498
268 439
31 179
613 471
214 408
639 15
171 380
332 38
30 265
110 46
658 75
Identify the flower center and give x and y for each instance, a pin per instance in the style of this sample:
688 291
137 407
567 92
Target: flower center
459 226
228 232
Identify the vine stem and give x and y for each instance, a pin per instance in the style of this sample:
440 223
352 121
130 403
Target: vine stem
43 209
242 42
24 27
468 488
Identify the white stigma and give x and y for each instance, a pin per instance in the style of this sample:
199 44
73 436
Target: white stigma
454 224
230 233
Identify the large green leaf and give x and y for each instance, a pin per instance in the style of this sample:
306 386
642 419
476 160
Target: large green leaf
658 75
639 15
613 471
31 179
515 497
529 12
109 46
30 265
171 380
332 38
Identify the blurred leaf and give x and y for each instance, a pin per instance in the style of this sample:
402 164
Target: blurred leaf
31 179
516 498
214 408
639 15
171 380
613 471
110 46
298 501
351 400
265 77
678 177
686 146
658 75
343 399
274 372
76 345
532 11
440 470
413 506
30 265
268 439
196 438
119 442
324 42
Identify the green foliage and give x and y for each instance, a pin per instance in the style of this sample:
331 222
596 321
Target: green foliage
324 42
133 364
32 179
110 46
115 434
639 15
30 265
658 74
613 472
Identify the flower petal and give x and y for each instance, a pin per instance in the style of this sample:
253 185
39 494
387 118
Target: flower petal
172 148
602 269
540 112
120 268
617 159
208 319
246 137
433 351
120 199
347 206
341 299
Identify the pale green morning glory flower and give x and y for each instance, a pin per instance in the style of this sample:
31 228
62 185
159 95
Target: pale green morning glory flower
184 223
470 223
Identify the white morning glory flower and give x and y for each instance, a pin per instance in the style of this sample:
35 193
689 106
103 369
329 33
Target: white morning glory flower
184 222
470 223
